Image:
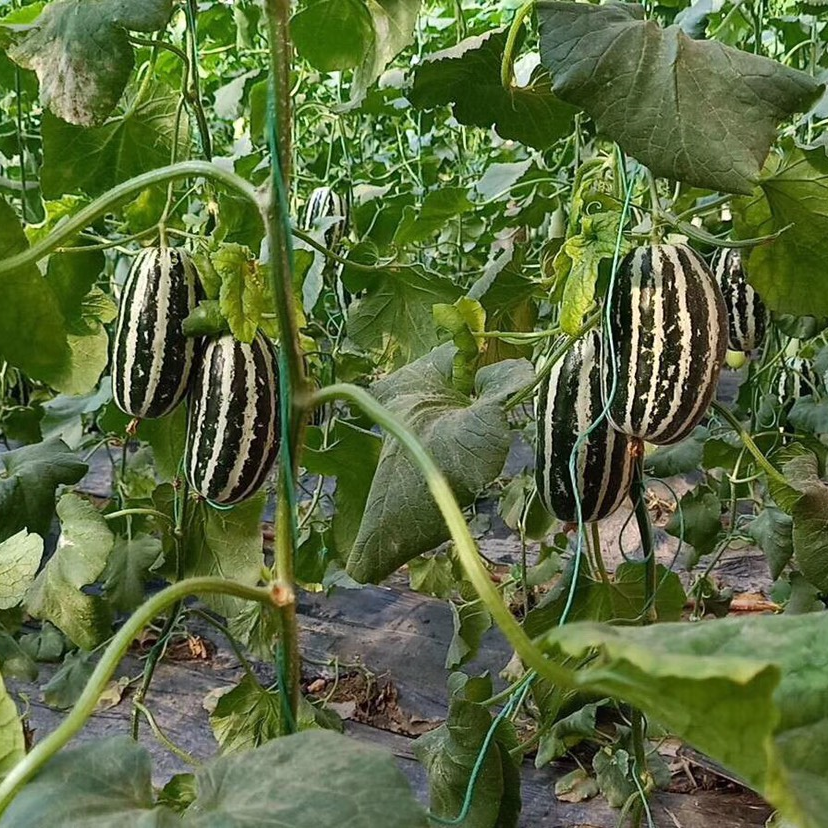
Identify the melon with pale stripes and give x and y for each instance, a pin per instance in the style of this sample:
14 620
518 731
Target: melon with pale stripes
233 430
327 207
665 343
746 313
151 358
796 379
568 403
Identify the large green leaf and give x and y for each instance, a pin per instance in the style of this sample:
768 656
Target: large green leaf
12 741
128 570
450 753
394 23
102 784
82 552
468 437
691 110
247 716
222 543
19 559
242 298
29 478
94 160
333 34
792 196
351 457
33 333
308 780
82 55
773 531
467 76
393 318
751 693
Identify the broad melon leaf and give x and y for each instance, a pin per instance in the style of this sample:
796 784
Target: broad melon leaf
792 196
751 693
468 437
33 330
82 552
692 110
467 76
19 559
12 741
311 779
82 54
333 34
105 784
94 160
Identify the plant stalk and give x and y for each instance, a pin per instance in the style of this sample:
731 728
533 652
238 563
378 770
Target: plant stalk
43 751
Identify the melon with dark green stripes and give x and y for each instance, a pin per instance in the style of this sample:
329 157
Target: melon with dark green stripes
328 210
151 358
567 405
746 313
796 379
665 344
233 431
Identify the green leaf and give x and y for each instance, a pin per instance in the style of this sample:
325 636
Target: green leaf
220 543
697 521
614 774
82 551
394 23
471 622
46 645
692 110
578 261
33 333
71 276
66 685
128 570
308 780
449 754
246 717
464 320
787 272
810 518
89 355
12 740
432 576
393 318
105 783
19 559
333 35
205 320
82 54
167 436
566 733
467 76
750 693
29 477
242 295
469 438
680 458
351 457
772 530
257 628
95 160
439 206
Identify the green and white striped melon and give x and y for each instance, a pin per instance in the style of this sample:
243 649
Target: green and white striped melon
668 335
151 358
233 431
796 379
746 313
325 207
569 401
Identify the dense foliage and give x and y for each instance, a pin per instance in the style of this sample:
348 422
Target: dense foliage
488 167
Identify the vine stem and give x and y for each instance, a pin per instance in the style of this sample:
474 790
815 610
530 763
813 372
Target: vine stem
43 751
291 357
122 192
747 440
453 516
508 63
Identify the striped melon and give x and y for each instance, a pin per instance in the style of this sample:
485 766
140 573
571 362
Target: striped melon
568 403
322 207
151 357
796 379
668 337
746 312
233 431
